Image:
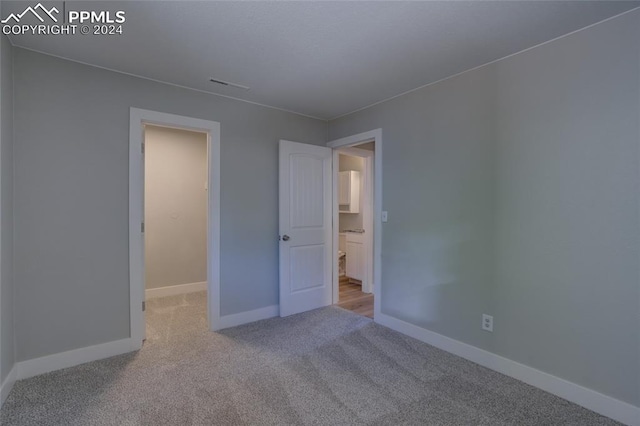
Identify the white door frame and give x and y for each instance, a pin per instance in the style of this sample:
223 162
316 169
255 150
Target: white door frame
349 141
138 118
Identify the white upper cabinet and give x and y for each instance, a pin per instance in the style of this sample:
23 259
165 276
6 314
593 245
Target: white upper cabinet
349 191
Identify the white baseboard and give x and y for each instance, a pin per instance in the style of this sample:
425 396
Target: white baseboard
595 401
174 290
46 364
249 316
6 386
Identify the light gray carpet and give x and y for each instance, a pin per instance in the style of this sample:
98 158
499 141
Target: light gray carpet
325 367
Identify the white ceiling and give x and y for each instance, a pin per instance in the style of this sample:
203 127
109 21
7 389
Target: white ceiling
322 59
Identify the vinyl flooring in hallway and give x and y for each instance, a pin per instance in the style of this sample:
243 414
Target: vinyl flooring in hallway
352 298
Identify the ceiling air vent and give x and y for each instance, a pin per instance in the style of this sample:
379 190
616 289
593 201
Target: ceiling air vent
227 83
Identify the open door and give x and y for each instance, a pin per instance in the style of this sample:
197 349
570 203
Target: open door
306 247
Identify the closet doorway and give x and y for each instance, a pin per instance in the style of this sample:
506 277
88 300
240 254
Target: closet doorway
175 221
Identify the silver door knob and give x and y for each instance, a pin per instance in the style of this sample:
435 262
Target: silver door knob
285 237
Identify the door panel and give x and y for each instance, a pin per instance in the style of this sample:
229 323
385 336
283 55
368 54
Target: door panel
307 264
305 227
306 191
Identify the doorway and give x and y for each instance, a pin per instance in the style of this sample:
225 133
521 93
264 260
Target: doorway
355 226
309 218
159 274
175 224
357 218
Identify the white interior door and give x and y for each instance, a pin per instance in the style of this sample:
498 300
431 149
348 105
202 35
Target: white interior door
306 257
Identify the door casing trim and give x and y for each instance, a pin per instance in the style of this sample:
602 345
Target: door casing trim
138 118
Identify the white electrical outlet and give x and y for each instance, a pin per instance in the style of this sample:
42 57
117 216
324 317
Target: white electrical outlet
487 322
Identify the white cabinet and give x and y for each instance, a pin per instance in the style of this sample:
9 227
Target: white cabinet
349 191
342 241
355 256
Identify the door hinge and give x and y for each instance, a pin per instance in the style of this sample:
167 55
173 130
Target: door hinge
144 306
142 227
142 147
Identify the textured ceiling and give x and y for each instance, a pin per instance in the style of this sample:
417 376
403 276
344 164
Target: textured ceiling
322 59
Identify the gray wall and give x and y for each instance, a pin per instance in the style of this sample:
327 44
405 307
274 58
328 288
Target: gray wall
513 190
175 207
71 198
7 347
